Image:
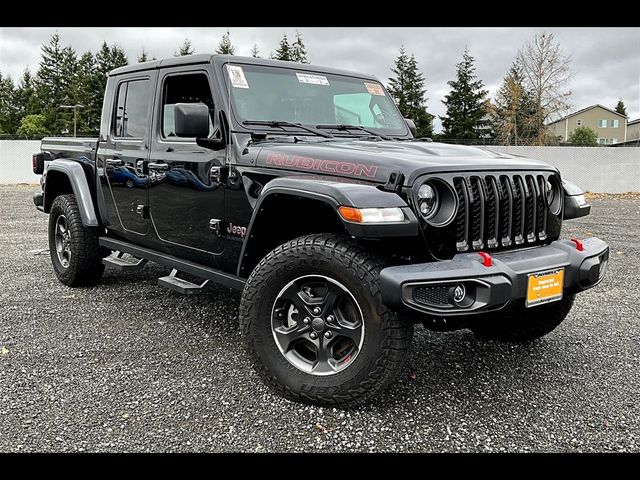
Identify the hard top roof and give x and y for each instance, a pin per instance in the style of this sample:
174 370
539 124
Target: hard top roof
222 59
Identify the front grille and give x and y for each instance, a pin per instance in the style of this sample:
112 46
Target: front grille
431 295
499 211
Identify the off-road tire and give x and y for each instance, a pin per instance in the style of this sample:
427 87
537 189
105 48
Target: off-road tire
85 264
520 324
387 337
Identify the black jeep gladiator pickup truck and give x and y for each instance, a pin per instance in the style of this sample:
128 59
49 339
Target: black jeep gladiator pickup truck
304 188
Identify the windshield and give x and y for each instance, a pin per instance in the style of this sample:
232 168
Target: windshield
266 93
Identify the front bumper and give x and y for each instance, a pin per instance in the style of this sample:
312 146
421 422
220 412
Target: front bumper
430 287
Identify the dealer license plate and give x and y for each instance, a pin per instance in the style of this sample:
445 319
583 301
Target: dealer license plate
545 287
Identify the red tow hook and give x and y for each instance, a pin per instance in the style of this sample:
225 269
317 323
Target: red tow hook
579 244
487 261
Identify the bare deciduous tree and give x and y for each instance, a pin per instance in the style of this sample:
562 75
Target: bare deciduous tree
546 72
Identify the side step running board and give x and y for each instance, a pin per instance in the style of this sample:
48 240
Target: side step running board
124 266
177 284
225 279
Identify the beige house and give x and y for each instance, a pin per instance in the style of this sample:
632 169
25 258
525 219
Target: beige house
633 130
609 125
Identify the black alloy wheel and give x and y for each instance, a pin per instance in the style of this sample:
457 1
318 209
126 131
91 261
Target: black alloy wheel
317 324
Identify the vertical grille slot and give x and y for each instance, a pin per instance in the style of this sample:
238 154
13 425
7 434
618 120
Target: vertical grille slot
542 208
506 211
531 204
477 216
492 211
462 217
517 187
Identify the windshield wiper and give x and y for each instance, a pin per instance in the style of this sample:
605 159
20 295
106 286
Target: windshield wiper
343 127
281 124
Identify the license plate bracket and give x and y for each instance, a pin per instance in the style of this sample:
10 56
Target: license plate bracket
545 287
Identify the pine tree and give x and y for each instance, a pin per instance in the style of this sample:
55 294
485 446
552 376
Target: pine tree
465 103
68 71
87 124
8 111
299 50
49 83
284 50
408 90
620 108
144 56
225 47
184 49
255 52
26 101
513 120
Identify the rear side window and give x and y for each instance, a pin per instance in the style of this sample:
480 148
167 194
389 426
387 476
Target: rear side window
132 107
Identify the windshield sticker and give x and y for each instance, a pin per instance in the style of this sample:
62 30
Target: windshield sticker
237 77
313 79
374 89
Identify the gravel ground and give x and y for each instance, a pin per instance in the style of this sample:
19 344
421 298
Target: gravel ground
129 366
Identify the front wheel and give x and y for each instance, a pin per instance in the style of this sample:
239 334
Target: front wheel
315 326
520 324
76 255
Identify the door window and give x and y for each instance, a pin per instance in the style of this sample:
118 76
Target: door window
189 88
132 106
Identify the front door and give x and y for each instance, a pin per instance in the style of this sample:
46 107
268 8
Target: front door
125 153
186 198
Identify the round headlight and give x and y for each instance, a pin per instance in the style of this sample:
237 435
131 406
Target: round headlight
427 199
551 192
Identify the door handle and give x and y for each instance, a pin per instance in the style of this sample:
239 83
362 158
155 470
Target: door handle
115 162
215 174
158 166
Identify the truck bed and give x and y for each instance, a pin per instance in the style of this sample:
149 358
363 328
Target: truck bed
70 147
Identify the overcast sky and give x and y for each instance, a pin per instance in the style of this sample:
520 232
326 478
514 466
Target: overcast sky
606 60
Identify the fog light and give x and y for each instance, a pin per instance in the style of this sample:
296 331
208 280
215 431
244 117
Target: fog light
458 293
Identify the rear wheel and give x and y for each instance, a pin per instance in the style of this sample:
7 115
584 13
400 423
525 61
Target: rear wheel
315 326
75 253
520 324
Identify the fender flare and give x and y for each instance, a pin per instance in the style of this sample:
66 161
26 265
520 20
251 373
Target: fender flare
78 181
335 193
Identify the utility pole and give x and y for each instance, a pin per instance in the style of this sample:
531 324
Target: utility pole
75 114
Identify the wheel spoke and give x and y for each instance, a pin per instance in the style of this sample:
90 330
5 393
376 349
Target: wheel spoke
330 301
62 229
352 332
325 363
288 336
292 294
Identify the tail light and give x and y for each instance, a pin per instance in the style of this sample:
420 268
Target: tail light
37 162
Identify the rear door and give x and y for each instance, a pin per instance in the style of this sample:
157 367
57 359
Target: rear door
185 195
125 153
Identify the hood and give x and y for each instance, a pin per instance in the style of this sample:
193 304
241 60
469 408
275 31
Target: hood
374 160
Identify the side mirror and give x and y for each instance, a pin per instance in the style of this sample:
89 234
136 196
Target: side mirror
412 127
191 120
575 204
211 143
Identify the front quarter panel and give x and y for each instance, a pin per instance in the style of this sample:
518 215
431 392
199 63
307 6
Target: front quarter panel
338 193
288 207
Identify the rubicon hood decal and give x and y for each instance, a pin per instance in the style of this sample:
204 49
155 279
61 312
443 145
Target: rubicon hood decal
320 165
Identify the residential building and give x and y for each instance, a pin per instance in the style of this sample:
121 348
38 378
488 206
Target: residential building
609 125
633 129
